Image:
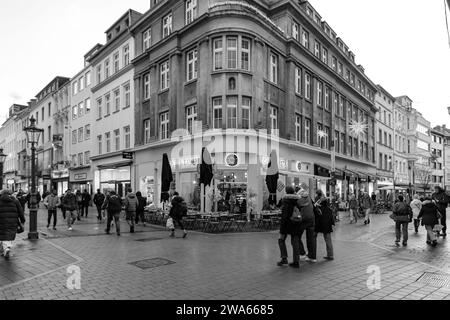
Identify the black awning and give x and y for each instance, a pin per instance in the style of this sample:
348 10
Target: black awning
321 171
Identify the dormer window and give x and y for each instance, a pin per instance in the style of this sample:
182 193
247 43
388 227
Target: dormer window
109 36
118 29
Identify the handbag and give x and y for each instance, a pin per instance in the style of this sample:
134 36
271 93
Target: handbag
20 228
170 225
296 216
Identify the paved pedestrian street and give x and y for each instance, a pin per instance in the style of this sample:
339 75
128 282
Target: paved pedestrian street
150 265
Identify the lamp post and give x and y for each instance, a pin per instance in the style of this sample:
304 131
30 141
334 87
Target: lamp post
33 133
2 161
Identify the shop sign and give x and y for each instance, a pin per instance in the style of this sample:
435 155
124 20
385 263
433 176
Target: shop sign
187 162
128 155
11 181
301 166
232 160
283 165
80 176
60 174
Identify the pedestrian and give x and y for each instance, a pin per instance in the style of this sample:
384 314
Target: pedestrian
430 216
38 199
353 206
307 209
177 212
288 227
131 205
11 213
71 205
99 199
441 199
79 199
113 206
140 211
402 216
52 203
21 196
324 222
63 208
416 206
85 202
367 205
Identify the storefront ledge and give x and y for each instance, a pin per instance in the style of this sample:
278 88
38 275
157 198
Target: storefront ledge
152 145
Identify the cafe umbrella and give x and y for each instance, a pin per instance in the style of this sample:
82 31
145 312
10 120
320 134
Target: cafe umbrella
206 175
272 178
166 179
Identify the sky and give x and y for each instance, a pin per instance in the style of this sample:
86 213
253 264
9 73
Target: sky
402 44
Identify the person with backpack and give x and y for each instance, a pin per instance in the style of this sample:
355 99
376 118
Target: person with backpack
140 212
52 203
402 214
177 212
79 198
441 199
99 199
71 206
85 202
353 207
290 226
131 204
113 206
324 222
307 209
430 216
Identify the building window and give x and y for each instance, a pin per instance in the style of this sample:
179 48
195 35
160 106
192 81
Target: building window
167 25
80 159
165 77
218 54
99 109
117 100
80 109
147 133
273 119
127 136
319 138
126 55
80 135
99 74
117 139
232 53
308 86
49 109
87 132
298 81
218 113
147 39
100 144
88 78
192 65
107 104
49 133
147 86
81 83
87 158
352 79
298 128
74 112
340 69
337 145
246 106
347 74
164 126
75 88
273 70
87 105
324 55
317 49
116 60
319 93
245 54
342 143
127 95
334 63
341 107
305 38
232 112
308 131
191 117
327 99
191 10
106 68
295 29
108 142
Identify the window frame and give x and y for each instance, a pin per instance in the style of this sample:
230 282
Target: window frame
192 65
217 108
167 25
164 126
165 75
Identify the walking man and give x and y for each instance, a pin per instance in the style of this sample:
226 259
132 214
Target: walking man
366 204
99 199
52 203
10 214
85 201
177 212
441 199
403 214
141 208
113 206
131 204
70 204
308 223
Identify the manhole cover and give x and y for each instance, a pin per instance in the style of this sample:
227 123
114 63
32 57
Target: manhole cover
435 279
151 263
149 239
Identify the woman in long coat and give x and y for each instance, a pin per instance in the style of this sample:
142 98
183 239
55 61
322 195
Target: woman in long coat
324 224
10 213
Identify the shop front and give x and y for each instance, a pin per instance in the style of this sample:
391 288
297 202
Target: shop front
60 180
115 176
80 179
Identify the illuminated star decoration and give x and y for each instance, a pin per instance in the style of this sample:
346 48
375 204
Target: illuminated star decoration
358 128
321 134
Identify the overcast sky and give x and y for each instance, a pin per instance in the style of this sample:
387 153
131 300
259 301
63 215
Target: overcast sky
402 44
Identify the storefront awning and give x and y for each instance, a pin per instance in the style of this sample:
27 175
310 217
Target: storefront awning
115 165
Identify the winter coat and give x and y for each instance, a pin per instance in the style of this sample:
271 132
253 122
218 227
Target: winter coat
142 202
85 198
179 208
112 204
52 202
307 209
442 201
416 206
353 203
79 197
366 202
288 203
10 213
324 223
99 199
429 214
131 203
69 202
401 209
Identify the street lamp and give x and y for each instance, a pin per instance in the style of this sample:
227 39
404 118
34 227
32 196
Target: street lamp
2 161
33 134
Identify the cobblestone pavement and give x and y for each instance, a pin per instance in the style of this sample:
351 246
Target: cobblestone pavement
150 265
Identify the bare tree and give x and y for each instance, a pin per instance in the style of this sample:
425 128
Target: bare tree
423 175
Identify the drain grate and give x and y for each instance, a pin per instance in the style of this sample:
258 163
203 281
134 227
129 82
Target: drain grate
151 263
435 279
149 239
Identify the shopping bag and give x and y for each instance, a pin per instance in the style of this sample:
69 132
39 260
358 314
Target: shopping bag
170 224
438 228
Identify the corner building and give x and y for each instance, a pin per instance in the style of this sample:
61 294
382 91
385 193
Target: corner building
236 66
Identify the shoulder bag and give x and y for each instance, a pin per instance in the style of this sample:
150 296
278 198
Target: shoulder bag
296 216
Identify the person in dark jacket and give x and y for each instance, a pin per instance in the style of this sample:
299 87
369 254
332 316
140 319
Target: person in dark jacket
353 207
113 206
307 210
38 199
63 209
99 199
140 211
441 199
131 204
70 204
324 224
85 201
177 212
430 217
79 198
366 203
402 212
22 197
10 213
288 227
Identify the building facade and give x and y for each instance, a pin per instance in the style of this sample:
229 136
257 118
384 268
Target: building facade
241 68
439 136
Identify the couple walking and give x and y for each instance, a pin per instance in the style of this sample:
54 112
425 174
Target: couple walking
301 215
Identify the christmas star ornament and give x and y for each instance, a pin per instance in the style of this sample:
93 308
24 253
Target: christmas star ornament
321 134
358 128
